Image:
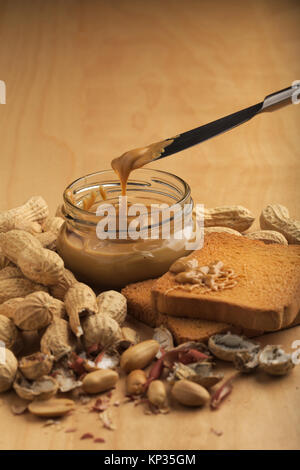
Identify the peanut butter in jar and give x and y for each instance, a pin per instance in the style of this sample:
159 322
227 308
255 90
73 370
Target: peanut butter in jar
123 260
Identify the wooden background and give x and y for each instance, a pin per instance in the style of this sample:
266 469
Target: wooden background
87 80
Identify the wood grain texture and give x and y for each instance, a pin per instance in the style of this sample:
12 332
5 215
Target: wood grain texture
87 80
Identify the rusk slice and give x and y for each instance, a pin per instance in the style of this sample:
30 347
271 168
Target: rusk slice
267 294
183 329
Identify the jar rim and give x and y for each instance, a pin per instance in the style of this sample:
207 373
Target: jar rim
186 187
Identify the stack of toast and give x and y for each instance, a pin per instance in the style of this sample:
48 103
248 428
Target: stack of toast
266 296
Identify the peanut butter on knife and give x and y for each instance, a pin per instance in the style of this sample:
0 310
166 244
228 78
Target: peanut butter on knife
137 158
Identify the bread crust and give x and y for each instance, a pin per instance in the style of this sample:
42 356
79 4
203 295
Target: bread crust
272 271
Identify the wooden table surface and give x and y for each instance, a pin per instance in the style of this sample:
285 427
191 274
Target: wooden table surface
87 80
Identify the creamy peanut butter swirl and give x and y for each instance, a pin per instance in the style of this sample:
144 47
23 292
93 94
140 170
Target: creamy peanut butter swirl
137 158
214 277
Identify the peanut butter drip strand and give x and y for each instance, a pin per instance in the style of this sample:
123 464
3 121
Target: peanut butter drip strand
137 158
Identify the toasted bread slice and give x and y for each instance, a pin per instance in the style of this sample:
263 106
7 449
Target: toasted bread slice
183 329
267 294
139 303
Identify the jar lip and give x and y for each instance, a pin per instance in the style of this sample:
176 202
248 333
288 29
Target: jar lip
187 189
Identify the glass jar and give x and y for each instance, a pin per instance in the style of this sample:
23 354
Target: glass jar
114 263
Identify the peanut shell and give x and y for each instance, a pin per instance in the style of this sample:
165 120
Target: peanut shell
10 272
221 230
43 388
4 261
53 224
80 300
267 236
114 304
36 311
34 210
15 242
31 227
18 287
8 308
100 330
276 217
35 365
60 289
8 368
41 265
58 340
9 335
235 217
47 240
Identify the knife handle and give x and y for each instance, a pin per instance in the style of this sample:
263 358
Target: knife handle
280 98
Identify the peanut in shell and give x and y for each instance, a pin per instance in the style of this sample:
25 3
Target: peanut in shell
41 265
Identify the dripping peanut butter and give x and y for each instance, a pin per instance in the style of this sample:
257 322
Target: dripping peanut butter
137 158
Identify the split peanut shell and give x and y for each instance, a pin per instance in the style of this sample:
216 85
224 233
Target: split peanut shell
275 361
43 388
80 300
9 335
226 346
58 339
60 289
35 365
